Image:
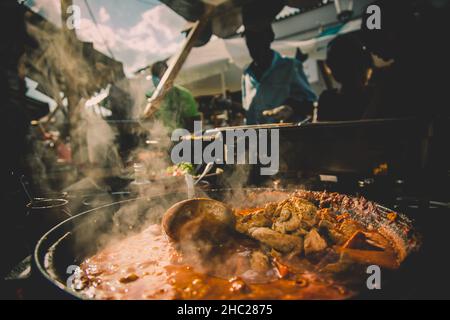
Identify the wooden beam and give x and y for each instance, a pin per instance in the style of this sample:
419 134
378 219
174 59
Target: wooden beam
154 103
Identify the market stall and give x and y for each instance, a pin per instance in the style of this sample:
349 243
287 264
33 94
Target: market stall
283 210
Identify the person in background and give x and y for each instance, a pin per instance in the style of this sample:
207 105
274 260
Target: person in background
234 110
274 88
351 65
179 108
413 38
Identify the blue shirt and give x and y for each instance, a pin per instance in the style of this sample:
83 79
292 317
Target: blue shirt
285 79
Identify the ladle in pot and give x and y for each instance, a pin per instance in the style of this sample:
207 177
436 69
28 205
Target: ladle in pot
190 183
198 215
191 215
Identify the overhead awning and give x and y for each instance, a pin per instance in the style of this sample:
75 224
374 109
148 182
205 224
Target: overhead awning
192 10
220 63
227 17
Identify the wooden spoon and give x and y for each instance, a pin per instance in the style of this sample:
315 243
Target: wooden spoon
211 215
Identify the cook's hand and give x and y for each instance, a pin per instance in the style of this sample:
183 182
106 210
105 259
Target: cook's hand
282 113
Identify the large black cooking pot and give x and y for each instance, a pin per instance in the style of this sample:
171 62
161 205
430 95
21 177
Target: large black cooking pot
69 243
65 246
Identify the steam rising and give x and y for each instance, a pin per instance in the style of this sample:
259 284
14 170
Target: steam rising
67 71
60 65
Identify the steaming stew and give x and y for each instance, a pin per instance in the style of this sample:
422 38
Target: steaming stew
306 246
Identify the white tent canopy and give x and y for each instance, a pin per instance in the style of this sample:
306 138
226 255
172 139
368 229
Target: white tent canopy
218 65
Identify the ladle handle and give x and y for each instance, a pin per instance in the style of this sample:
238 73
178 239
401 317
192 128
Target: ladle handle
208 168
190 186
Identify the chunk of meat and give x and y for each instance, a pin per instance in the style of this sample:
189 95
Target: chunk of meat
308 210
256 219
342 265
281 242
348 228
328 226
300 232
314 242
340 232
270 208
327 220
370 247
294 214
259 262
129 278
287 222
385 259
366 241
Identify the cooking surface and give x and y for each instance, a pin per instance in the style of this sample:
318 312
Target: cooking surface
122 271
263 263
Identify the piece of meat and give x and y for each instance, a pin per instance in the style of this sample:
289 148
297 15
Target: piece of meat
326 224
334 236
300 232
294 214
270 209
308 211
259 262
383 259
314 242
327 219
256 219
281 242
287 222
366 241
348 228
338 232
342 265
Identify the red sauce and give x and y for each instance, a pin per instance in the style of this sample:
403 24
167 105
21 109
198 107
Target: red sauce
148 266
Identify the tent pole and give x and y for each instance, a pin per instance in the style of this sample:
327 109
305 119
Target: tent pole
167 80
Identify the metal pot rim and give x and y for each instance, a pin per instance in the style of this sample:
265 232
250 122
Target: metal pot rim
57 203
